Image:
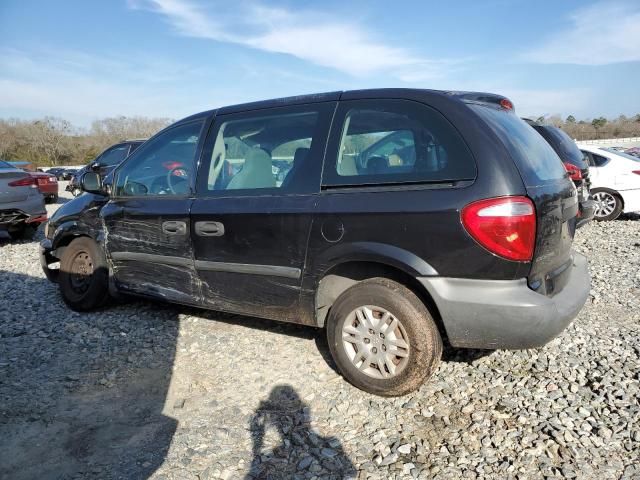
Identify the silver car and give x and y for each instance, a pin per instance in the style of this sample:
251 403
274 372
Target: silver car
22 207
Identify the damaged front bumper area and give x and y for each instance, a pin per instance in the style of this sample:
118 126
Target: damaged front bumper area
46 259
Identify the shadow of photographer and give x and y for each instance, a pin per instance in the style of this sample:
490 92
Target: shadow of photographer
287 418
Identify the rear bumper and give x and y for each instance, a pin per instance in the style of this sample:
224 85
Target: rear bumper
587 212
507 314
29 210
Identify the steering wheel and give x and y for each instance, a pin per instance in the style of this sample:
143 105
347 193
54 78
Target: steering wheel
177 172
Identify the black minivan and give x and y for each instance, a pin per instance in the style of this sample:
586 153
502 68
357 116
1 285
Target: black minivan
392 218
575 164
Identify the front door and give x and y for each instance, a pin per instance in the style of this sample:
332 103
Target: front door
148 232
257 189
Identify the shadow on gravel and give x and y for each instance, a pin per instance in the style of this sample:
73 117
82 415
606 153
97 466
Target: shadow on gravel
82 395
285 412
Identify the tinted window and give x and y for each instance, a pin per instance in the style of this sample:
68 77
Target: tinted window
563 145
599 160
534 157
262 151
163 165
113 156
134 147
398 141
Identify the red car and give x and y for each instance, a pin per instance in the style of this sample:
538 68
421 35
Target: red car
47 184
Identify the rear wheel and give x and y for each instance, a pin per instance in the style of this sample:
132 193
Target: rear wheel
83 277
608 205
383 338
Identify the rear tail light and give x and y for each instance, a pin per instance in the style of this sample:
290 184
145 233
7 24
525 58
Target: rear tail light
506 226
637 172
574 172
24 182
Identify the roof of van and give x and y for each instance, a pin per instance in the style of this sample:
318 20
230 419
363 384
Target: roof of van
411 93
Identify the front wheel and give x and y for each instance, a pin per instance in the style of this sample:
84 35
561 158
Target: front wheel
83 277
382 338
608 205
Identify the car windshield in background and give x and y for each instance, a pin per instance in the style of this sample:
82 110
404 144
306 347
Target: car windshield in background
622 154
563 145
534 157
5 165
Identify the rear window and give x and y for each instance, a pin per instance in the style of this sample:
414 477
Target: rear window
564 146
536 160
622 154
4 165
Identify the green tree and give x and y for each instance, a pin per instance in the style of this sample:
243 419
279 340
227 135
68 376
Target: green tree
571 119
598 123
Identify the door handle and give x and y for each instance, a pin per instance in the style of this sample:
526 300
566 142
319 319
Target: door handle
209 229
174 228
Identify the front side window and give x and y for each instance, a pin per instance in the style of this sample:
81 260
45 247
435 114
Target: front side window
162 166
113 156
262 151
398 141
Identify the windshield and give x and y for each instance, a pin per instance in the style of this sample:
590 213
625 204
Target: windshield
4 164
562 143
622 154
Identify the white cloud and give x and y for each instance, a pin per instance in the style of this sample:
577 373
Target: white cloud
317 38
600 34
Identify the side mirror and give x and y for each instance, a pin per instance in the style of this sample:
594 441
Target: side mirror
95 166
92 182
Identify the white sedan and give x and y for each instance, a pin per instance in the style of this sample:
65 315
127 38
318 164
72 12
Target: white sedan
615 181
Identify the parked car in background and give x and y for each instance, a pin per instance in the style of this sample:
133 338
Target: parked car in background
635 151
47 184
57 171
458 223
22 207
104 163
68 173
615 181
575 164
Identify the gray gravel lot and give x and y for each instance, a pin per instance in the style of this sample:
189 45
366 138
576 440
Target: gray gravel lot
143 389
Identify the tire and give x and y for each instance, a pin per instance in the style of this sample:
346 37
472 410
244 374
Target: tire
88 290
23 231
608 204
416 326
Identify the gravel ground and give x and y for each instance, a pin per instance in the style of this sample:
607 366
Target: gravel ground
143 389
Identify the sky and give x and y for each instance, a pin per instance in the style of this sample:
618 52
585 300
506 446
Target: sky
83 60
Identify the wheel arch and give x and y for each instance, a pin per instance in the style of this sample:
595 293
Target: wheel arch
343 275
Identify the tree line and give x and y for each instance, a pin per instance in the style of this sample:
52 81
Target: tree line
54 141
593 129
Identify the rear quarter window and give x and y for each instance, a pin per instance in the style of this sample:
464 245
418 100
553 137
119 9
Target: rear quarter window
536 161
394 142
